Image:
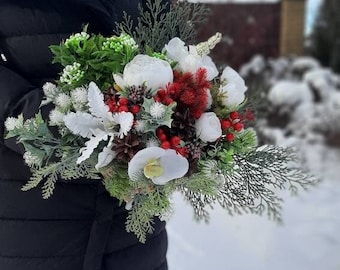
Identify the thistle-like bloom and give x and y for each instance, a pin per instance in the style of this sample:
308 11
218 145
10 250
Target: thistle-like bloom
158 164
12 123
63 101
157 110
99 125
56 118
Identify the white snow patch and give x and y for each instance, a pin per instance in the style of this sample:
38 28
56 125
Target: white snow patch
288 93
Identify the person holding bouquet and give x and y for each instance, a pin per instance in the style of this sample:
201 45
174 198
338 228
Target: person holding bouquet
81 227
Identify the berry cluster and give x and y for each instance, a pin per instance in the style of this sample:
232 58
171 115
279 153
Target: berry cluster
231 124
122 105
188 90
170 142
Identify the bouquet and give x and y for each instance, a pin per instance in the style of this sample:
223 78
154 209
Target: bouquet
150 122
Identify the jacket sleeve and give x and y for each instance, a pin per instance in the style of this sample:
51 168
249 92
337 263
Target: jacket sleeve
17 96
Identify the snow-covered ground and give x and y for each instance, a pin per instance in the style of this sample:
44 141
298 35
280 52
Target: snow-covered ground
309 239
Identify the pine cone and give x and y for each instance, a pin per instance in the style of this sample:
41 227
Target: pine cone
184 125
127 147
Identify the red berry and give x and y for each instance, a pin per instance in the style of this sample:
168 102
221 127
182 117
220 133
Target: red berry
175 140
123 101
225 123
168 101
182 151
159 131
135 109
157 99
123 109
238 126
230 137
165 145
162 137
161 93
233 115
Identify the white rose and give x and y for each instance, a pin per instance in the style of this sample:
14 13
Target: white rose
154 72
208 127
176 49
233 91
188 59
192 62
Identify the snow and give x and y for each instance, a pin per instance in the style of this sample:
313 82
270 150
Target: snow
288 93
309 239
305 63
256 65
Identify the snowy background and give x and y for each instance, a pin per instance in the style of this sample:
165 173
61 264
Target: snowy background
303 111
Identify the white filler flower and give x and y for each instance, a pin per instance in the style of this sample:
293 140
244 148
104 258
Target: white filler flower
143 69
208 127
158 164
233 89
100 125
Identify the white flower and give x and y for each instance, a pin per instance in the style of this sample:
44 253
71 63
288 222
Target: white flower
63 101
188 59
152 142
79 96
56 118
157 110
12 123
72 73
30 159
232 92
176 49
50 89
208 127
140 126
143 69
100 125
158 164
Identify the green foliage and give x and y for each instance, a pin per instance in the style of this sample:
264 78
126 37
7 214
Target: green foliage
98 57
150 202
65 169
245 142
116 181
158 23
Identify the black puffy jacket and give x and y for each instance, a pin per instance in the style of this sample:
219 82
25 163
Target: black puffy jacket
80 226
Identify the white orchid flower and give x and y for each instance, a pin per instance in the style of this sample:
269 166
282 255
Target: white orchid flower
158 164
98 125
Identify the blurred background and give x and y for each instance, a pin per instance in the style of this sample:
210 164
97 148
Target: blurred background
288 52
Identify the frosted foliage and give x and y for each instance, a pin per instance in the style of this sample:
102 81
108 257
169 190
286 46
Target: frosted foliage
305 63
322 80
288 93
332 110
256 65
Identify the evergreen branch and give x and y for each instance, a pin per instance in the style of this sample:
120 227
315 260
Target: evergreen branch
158 23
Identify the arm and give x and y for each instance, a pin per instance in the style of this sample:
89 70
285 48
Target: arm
17 96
